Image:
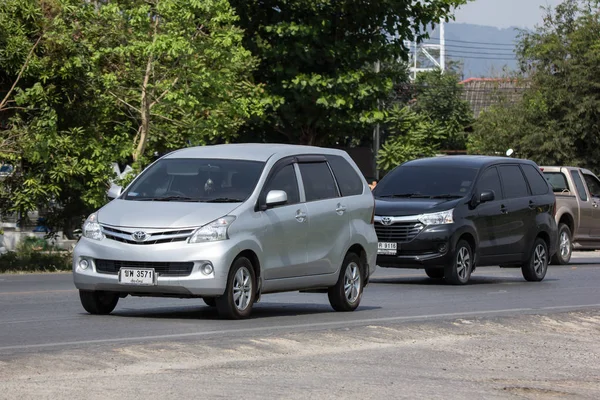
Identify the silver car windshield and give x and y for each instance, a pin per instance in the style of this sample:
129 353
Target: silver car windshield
196 180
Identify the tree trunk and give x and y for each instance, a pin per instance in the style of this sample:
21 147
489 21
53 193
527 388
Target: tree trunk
145 114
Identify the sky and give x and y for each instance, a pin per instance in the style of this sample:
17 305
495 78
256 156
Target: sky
504 13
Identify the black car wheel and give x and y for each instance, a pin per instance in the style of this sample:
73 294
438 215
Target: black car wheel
458 271
537 266
435 273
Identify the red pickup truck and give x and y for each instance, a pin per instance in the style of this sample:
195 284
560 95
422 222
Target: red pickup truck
577 192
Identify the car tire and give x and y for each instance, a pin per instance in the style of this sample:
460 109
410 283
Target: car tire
98 302
210 301
565 246
237 301
458 271
347 292
537 266
435 273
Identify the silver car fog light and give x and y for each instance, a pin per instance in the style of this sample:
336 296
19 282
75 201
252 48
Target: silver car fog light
207 268
84 264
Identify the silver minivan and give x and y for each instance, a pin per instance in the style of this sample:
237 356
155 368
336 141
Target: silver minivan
228 223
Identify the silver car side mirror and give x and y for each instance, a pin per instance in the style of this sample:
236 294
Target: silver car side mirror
276 198
114 192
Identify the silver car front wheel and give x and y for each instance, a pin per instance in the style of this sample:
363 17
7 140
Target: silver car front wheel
240 292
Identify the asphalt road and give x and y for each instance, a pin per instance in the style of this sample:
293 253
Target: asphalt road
41 312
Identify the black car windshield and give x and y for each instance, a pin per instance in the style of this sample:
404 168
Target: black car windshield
196 180
426 182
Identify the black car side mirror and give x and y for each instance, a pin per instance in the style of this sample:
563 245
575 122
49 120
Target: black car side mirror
486 196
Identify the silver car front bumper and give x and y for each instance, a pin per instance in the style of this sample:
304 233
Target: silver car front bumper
221 254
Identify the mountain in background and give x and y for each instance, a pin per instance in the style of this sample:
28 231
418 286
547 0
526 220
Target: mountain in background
484 51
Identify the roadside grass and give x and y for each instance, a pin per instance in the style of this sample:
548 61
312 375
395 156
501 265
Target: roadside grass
35 255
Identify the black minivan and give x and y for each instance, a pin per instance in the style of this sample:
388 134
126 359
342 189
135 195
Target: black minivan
450 214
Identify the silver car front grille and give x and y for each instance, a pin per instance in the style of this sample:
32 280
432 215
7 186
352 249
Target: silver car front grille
141 237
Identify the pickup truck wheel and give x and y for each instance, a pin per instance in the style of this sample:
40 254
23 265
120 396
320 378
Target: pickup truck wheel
98 302
435 273
537 266
458 271
565 246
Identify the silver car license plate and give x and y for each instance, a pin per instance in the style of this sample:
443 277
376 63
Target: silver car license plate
137 276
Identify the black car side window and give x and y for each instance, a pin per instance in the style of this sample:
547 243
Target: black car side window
513 182
490 181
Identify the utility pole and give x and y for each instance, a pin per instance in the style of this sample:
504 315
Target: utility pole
376 133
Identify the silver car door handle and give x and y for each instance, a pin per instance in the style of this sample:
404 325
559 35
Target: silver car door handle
340 209
300 216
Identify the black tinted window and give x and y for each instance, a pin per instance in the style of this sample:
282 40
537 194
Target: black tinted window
579 185
285 179
426 181
490 181
348 180
513 181
537 183
592 184
318 181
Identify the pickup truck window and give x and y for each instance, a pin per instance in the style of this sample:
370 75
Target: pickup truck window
513 182
592 184
579 185
537 183
557 180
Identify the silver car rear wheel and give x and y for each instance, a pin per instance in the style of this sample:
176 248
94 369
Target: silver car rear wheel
347 292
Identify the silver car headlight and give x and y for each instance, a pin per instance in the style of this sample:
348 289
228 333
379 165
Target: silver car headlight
438 218
92 229
214 231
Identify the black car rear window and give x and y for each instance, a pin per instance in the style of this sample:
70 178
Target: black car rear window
426 181
537 183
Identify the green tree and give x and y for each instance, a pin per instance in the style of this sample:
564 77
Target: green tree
439 96
557 120
412 135
318 57
101 82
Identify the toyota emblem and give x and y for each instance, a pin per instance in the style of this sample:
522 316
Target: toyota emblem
139 236
386 221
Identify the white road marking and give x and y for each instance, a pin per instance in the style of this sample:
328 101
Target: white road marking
328 324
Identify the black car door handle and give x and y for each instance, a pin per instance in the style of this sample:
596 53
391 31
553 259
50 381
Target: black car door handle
531 205
503 209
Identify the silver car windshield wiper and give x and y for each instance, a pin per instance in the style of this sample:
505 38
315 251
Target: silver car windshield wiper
223 200
167 198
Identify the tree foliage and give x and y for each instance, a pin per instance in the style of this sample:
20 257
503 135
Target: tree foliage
113 81
413 135
558 120
318 57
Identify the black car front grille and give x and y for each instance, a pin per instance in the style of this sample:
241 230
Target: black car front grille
399 232
112 267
